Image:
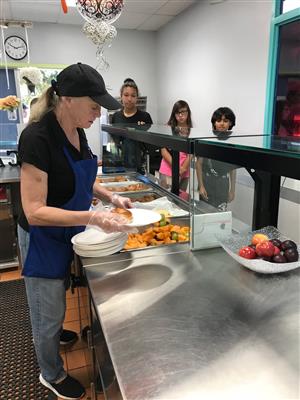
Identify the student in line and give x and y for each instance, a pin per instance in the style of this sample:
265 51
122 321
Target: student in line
131 115
180 121
216 179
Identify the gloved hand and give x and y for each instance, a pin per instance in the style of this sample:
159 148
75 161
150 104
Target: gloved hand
120 201
108 222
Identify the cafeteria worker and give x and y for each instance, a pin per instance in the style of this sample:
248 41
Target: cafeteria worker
58 172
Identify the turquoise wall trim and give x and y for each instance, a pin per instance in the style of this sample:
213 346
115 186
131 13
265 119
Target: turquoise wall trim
276 8
277 21
287 17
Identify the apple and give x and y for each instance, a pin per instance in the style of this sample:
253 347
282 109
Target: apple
247 252
291 254
258 238
276 250
265 249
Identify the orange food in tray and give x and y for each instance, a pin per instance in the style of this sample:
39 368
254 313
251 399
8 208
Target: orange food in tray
145 199
112 179
129 188
161 233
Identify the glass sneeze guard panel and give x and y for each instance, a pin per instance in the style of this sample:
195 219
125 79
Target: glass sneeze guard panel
222 196
289 146
184 134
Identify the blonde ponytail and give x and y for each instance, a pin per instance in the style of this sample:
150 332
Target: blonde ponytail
47 101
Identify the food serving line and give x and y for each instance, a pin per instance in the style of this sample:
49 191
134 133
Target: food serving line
168 323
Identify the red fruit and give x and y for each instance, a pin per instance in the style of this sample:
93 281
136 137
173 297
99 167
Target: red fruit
279 258
276 242
288 244
276 250
267 259
291 254
247 252
265 249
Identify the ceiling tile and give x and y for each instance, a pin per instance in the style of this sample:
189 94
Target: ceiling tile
38 12
174 7
71 17
154 22
143 6
137 14
130 20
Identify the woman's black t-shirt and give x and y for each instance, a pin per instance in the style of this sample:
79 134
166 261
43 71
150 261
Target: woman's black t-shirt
140 116
132 157
41 145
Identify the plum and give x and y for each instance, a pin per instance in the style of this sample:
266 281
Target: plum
267 258
279 258
291 254
288 244
276 242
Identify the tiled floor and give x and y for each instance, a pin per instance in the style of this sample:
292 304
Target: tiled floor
76 357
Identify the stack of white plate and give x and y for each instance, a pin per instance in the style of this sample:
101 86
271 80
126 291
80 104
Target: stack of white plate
94 243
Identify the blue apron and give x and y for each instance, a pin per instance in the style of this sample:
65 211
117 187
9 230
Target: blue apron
50 250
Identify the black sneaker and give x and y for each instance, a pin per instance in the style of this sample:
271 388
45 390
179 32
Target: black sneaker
67 337
69 388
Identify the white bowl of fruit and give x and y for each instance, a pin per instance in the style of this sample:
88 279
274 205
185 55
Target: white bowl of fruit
266 250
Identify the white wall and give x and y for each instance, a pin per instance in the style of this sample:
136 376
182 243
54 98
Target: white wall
216 55
132 55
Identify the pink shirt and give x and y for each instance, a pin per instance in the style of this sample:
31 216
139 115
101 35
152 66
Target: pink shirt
166 169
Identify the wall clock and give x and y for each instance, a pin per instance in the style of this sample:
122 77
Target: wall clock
15 47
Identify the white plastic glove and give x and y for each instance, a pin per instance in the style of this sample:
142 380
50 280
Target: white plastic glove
108 222
120 201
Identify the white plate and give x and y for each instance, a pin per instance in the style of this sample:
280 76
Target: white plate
94 236
99 253
101 246
236 241
142 217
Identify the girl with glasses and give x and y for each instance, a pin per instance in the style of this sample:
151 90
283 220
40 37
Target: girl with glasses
180 121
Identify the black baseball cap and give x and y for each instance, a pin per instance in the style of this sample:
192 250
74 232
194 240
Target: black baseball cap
79 80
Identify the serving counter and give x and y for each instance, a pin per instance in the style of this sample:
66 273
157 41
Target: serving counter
195 325
170 324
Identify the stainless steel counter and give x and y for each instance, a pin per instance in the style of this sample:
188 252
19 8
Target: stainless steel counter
197 326
9 174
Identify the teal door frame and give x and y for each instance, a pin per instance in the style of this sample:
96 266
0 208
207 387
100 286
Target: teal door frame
277 21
